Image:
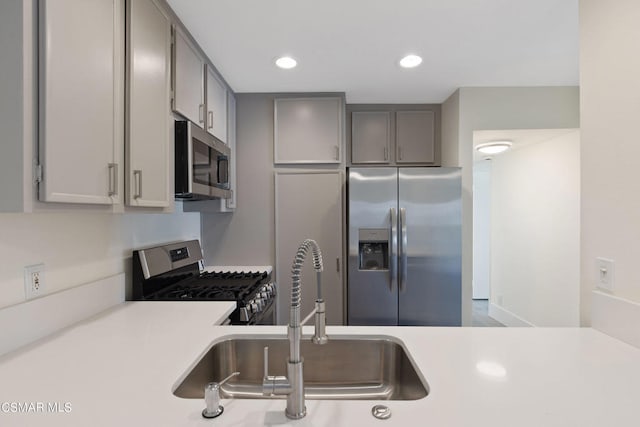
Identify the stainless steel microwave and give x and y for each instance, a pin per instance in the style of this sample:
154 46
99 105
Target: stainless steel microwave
202 164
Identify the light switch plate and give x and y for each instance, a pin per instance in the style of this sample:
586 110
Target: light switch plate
605 273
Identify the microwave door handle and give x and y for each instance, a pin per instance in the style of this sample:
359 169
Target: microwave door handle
393 255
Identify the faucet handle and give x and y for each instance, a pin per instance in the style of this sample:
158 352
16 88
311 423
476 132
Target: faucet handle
271 384
320 335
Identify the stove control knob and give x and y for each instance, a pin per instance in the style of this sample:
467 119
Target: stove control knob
253 306
272 288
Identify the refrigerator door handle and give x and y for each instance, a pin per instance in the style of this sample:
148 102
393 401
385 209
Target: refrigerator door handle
403 249
393 255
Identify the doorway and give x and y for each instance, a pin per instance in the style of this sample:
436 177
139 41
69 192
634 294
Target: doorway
526 225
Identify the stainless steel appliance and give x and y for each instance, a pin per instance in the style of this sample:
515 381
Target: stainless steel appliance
174 272
404 246
201 164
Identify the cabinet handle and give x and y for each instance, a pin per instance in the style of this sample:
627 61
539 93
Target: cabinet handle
338 265
337 152
201 114
113 179
386 153
137 178
210 120
400 153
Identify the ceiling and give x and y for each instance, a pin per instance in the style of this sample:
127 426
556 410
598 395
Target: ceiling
519 137
354 46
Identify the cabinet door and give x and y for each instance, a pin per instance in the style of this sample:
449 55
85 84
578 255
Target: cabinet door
216 107
370 137
308 130
148 96
415 136
81 103
230 203
309 206
188 82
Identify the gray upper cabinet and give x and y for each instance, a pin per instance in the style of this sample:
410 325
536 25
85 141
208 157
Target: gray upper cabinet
370 137
148 120
81 100
216 106
415 137
394 134
308 130
188 84
199 94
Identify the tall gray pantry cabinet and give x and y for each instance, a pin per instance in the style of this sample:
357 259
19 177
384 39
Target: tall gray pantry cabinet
309 201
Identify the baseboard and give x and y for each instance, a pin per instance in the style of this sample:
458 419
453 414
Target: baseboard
506 317
616 317
24 323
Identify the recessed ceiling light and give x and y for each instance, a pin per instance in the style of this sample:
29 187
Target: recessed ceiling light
410 61
494 147
286 62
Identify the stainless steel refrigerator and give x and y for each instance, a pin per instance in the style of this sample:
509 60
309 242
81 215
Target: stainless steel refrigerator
404 246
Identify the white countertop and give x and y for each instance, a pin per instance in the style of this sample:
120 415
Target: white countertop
118 369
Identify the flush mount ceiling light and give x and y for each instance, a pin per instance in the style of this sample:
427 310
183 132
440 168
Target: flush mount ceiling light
286 62
410 61
494 147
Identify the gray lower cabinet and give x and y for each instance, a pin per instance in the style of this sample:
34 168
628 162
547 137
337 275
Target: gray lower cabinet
308 130
308 205
370 136
415 136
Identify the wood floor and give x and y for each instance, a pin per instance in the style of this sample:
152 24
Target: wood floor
480 314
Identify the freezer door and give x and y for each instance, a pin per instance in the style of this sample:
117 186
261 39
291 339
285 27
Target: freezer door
430 220
372 276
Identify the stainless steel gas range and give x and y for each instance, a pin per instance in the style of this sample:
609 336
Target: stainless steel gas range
175 272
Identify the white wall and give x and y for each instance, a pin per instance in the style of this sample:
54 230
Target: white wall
481 229
80 247
499 108
610 129
535 231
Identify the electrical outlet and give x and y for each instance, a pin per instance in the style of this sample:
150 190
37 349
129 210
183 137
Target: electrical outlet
605 269
34 282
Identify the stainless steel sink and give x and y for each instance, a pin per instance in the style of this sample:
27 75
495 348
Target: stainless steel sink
347 367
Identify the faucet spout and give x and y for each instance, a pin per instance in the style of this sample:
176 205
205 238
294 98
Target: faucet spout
293 384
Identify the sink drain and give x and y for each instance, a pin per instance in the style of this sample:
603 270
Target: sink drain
381 412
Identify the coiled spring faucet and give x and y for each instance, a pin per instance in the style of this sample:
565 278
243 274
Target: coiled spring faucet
293 384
